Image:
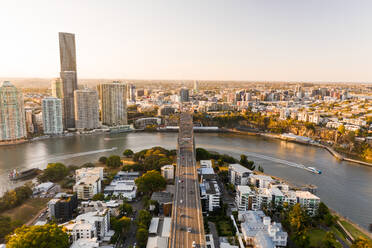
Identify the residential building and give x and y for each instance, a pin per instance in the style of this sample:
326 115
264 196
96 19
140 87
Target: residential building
87 187
210 195
131 93
260 181
166 110
29 121
52 115
184 95
62 206
12 113
144 122
68 77
124 189
113 97
101 221
86 109
244 198
57 90
258 230
165 200
87 172
69 85
238 174
159 232
308 201
167 171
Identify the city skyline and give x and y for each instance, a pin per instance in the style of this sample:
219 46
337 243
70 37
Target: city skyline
238 40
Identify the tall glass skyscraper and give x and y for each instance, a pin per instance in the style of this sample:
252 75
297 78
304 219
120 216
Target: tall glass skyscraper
68 76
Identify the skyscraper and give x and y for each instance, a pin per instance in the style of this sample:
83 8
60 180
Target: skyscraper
86 109
69 85
184 95
131 93
52 115
68 77
12 113
196 86
67 51
113 98
57 90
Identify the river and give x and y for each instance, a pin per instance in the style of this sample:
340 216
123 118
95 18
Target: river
345 187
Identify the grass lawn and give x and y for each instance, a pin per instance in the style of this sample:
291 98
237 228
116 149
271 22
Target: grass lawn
27 210
225 228
339 234
316 237
353 230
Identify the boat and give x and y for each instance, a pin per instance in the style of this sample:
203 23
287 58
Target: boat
16 175
314 170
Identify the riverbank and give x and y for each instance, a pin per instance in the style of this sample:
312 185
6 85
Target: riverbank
280 137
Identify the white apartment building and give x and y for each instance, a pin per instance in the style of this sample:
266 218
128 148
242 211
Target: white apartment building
210 195
308 201
315 118
244 197
89 226
52 115
167 171
238 174
205 163
258 230
91 171
260 181
87 187
125 189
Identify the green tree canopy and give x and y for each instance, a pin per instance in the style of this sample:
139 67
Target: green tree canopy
362 242
141 236
113 161
330 241
45 236
202 154
125 209
128 153
98 197
102 160
150 182
144 218
247 163
298 219
54 172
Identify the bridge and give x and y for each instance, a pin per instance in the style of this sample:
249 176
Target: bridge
187 221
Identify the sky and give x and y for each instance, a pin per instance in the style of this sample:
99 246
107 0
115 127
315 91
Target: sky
265 40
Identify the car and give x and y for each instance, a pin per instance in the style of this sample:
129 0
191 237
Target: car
193 244
189 229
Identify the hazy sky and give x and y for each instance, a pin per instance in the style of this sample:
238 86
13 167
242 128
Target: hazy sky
305 40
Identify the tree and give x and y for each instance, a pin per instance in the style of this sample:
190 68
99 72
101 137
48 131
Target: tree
361 242
151 181
113 161
98 197
141 236
125 209
45 236
102 160
201 154
260 168
301 239
6 226
128 153
246 163
54 172
330 241
144 218
298 219
341 129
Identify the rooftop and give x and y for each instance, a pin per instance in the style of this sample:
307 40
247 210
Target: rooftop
239 168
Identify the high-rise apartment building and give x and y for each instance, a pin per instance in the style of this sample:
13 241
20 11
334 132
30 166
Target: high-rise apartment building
67 51
12 113
196 86
131 93
68 77
57 90
52 115
86 109
184 95
113 98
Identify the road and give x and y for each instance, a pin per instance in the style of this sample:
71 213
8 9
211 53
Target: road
187 220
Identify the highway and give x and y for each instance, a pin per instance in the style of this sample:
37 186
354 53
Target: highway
187 220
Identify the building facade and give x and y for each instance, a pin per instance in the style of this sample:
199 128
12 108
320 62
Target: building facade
86 109
12 113
68 76
238 174
184 95
57 90
113 98
52 115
